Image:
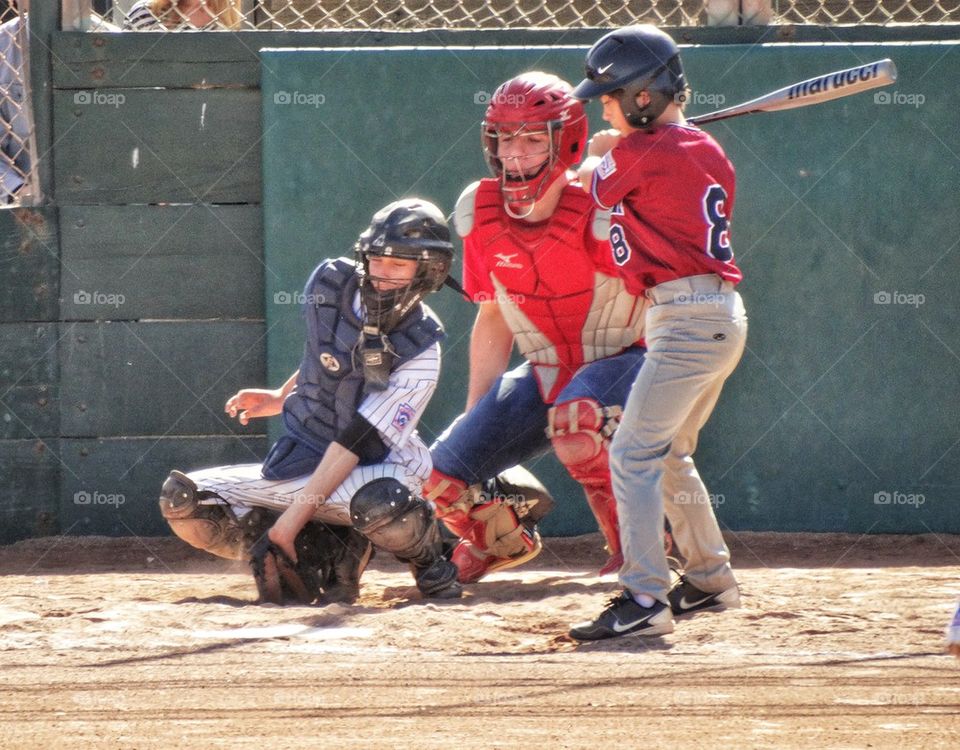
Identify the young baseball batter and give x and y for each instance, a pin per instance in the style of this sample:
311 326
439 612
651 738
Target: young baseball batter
670 189
350 454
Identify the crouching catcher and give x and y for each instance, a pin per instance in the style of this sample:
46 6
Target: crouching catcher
347 474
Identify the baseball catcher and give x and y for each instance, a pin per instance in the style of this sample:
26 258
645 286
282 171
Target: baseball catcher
347 474
537 261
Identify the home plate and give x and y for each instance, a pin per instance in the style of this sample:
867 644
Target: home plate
289 630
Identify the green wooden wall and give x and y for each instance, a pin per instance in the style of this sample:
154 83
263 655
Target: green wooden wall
133 300
844 412
139 295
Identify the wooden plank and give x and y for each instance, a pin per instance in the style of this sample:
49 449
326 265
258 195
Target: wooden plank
31 265
43 22
29 411
157 146
216 59
112 485
29 405
28 354
155 59
31 489
29 375
171 262
160 378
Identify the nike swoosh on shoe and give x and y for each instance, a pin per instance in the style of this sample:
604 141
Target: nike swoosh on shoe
685 604
624 627
658 628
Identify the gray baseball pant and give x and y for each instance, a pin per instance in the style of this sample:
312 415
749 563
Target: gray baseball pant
696 329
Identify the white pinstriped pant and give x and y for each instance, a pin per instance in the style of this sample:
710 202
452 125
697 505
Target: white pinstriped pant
242 487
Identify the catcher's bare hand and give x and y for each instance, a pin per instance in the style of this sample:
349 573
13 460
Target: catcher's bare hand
251 403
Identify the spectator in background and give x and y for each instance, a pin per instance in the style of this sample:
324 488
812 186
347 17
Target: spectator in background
176 15
15 124
8 10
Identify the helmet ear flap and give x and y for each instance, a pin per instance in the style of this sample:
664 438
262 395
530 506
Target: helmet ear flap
642 117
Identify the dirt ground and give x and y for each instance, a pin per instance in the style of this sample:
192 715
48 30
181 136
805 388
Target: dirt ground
144 643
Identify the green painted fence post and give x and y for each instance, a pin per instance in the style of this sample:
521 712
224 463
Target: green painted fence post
43 20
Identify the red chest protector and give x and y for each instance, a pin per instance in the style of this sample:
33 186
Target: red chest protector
563 309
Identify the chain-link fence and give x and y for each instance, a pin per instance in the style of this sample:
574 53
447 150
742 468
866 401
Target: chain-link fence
828 12
504 14
18 185
17 154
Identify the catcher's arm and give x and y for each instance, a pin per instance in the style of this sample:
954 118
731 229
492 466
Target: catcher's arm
333 469
273 557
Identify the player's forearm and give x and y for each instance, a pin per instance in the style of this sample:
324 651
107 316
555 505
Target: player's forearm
490 345
333 469
599 145
278 396
484 374
287 387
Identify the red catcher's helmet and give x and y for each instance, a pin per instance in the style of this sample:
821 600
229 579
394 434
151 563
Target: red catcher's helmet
534 102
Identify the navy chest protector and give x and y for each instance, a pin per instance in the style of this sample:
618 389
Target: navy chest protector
331 383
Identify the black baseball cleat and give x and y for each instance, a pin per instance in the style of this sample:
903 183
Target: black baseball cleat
623 616
685 598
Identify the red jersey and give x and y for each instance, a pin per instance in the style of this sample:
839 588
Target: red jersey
670 192
555 281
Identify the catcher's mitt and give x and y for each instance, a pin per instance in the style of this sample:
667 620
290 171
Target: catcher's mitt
279 578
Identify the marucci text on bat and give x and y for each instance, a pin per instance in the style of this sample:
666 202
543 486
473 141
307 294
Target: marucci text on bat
834 81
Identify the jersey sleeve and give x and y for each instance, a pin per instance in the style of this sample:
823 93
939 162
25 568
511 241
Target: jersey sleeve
597 241
617 174
396 411
476 275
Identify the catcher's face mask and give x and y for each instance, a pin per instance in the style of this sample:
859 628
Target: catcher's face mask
537 108
388 274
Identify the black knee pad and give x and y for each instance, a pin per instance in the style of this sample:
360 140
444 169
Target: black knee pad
394 519
210 526
178 496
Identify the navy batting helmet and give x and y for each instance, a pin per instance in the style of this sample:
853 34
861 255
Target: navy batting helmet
631 60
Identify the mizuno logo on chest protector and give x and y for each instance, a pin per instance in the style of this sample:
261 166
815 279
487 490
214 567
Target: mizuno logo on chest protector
505 260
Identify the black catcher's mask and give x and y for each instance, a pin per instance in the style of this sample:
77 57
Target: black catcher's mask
413 229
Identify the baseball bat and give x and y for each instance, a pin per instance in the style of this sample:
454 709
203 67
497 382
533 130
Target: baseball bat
812 91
